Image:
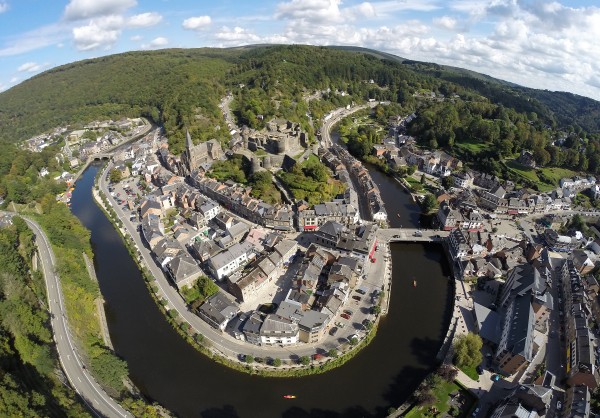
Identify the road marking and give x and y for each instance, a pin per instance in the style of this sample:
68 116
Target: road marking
78 378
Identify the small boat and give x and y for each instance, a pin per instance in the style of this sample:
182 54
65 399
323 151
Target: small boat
398 215
289 396
414 283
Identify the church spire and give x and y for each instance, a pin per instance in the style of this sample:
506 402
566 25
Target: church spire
188 140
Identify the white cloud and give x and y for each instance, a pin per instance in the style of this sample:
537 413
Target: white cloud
30 67
100 33
156 43
14 80
144 20
136 38
445 22
32 40
3 6
85 9
316 11
236 35
197 22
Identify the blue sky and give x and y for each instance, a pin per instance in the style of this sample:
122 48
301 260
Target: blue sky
542 44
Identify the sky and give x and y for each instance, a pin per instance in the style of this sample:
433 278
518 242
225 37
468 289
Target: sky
540 44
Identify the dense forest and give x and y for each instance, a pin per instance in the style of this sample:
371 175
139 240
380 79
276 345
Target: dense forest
181 88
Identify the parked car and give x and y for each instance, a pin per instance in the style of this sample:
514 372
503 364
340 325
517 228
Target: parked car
479 370
348 312
356 297
345 316
333 331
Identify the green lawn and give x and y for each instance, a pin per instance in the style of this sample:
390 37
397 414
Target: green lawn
525 172
442 394
474 147
554 174
530 174
471 372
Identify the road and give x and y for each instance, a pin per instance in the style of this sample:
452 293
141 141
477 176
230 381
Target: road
337 115
81 380
223 343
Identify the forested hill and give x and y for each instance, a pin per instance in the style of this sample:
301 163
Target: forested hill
182 87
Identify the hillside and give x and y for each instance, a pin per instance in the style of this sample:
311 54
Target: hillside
182 87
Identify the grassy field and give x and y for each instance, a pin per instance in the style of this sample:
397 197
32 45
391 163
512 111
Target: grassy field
554 174
546 178
472 146
442 394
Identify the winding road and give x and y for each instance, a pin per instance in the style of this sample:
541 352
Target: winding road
81 380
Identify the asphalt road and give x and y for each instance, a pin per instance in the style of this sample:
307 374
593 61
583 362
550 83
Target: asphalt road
81 380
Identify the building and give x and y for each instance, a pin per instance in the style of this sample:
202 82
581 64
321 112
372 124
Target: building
577 402
580 366
218 310
561 243
228 261
515 347
276 330
183 270
524 401
462 179
195 155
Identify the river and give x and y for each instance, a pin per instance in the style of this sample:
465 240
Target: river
169 371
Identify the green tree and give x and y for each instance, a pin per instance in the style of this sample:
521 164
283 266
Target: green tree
305 360
423 178
115 176
333 353
430 203
249 359
276 362
411 169
467 350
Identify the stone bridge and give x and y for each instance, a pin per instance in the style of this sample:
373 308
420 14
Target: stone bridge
100 156
411 235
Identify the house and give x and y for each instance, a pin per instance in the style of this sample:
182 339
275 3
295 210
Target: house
582 262
218 310
151 207
183 270
462 179
223 220
209 209
230 260
277 330
526 158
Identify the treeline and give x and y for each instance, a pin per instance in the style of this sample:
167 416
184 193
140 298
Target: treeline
182 88
29 383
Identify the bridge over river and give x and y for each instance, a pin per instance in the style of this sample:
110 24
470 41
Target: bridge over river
410 235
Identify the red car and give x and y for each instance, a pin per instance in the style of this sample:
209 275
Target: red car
345 316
